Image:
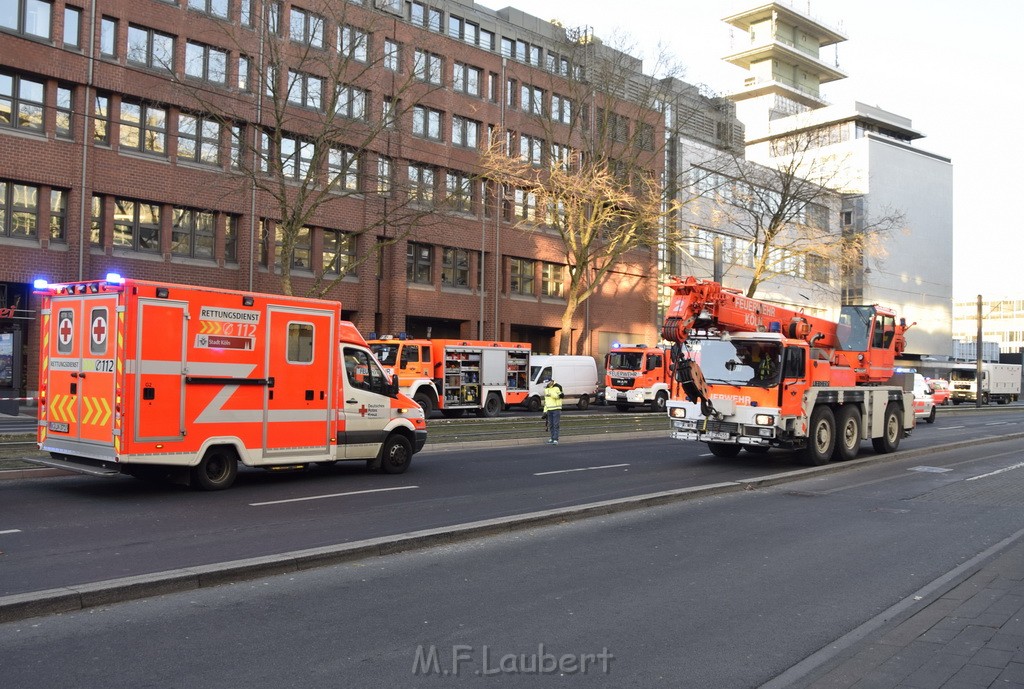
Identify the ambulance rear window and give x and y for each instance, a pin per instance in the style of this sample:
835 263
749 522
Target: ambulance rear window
300 343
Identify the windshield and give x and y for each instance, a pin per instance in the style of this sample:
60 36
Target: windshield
387 354
738 362
963 375
625 361
853 327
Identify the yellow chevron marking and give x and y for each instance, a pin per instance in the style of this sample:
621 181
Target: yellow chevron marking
106 411
69 412
87 418
55 407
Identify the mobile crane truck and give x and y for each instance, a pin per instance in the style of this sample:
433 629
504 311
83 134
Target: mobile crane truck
750 375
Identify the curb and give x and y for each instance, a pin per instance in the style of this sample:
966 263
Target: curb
80 597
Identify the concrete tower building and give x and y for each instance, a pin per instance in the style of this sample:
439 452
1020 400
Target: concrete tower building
874 165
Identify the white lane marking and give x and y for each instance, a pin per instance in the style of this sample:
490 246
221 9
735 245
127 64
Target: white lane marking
332 495
996 423
10 531
998 471
569 471
950 428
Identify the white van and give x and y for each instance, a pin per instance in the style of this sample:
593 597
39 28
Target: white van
576 374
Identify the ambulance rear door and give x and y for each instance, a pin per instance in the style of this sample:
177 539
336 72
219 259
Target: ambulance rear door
81 370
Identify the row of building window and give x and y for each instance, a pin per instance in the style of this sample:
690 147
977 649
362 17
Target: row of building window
155 49
524 275
739 251
24 208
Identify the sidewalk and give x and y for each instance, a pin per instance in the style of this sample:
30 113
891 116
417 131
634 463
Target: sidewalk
967 632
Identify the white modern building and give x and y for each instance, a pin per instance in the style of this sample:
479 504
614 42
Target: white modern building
884 178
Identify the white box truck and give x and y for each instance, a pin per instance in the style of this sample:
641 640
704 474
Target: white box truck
1000 383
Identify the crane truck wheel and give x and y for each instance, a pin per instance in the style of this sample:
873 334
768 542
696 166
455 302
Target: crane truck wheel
892 431
724 449
216 470
821 437
848 425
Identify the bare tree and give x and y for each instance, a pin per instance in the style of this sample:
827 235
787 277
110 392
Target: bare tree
315 130
587 154
784 212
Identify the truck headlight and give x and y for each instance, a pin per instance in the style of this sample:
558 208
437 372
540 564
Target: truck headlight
764 420
677 412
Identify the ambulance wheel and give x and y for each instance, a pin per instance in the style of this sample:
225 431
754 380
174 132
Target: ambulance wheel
931 417
217 470
892 431
426 402
396 454
583 403
533 404
492 406
659 403
821 437
848 424
724 449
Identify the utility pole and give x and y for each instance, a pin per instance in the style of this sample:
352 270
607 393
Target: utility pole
977 360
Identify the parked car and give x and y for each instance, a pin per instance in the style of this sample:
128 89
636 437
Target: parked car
924 402
940 390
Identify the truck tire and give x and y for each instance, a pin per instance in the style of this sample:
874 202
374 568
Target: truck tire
533 404
216 470
724 449
821 437
848 425
396 454
660 402
492 406
583 402
892 430
426 402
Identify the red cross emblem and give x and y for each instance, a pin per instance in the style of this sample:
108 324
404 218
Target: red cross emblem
363 410
64 331
99 330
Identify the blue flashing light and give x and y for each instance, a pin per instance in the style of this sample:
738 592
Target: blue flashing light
115 279
775 327
616 344
40 283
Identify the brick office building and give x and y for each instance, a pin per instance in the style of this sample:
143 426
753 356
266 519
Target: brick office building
126 136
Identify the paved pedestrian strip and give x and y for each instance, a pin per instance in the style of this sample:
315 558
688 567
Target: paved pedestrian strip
972 635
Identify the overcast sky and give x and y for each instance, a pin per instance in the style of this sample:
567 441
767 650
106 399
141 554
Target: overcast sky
952 67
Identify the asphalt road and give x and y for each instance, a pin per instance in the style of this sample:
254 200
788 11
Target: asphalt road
74 530
724 592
